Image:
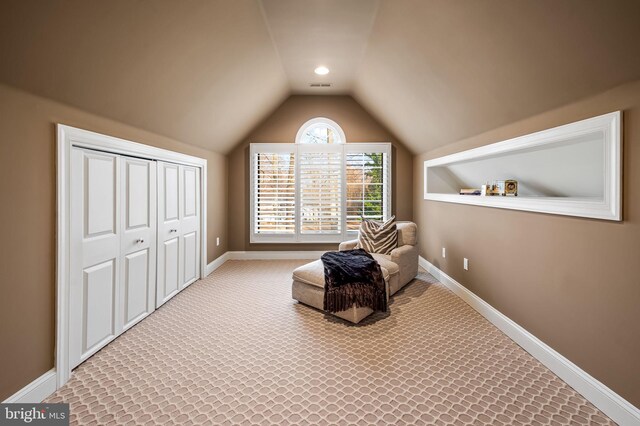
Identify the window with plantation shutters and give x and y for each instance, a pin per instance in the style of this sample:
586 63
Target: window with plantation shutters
315 191
320 191
367 187
274 193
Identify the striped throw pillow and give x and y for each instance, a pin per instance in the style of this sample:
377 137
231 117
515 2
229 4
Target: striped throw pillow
378 237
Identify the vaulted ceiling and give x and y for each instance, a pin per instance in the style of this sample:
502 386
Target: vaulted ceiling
309 33
202 72
206 72
438 71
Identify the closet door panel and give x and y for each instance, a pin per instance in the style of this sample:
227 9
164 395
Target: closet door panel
190 192
190 257
190 208
171 266
94 311
138 193
138 241
171 192
100 192
136 287
99 304
169 231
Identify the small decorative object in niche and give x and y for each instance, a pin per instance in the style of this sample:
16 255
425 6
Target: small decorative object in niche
470 191
501 187
511 187
506 187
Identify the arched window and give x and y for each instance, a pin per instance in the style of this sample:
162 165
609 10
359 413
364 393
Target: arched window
319 188
320 130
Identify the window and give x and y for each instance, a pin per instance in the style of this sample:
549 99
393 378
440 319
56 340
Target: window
320 175
319 189
275 190
320 131
366 187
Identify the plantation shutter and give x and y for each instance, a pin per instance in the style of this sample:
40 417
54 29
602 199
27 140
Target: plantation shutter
317 192
274 192
320 175
368 176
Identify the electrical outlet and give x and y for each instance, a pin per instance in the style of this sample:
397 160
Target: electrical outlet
466 264
444 252
217 241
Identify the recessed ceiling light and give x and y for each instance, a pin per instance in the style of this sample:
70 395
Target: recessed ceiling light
321 70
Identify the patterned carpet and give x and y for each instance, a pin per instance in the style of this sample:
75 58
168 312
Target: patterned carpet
234 348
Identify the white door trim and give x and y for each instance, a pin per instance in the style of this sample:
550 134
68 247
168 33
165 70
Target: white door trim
66 138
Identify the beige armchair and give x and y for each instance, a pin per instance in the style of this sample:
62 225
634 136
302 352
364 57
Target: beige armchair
402 263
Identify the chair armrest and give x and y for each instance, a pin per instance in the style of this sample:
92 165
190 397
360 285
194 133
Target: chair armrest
402 252
406 257
348 245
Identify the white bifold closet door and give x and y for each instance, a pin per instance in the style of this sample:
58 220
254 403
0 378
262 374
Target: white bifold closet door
113 248
178 229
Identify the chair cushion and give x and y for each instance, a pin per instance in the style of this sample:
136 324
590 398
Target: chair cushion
378 237
385 262
312 273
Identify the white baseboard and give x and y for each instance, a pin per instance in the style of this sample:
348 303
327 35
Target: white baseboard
35 391
261 255
613 405
274 255
216 263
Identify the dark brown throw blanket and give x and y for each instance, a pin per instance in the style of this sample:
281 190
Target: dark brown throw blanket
353 277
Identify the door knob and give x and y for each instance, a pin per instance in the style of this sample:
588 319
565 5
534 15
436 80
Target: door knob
173 230
140 241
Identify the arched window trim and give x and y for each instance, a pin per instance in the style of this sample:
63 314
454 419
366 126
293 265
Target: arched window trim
321 120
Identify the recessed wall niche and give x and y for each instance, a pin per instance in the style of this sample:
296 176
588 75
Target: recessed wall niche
574 170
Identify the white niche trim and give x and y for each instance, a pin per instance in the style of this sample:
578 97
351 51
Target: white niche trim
584 158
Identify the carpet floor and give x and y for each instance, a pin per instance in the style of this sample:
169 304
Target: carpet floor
234 348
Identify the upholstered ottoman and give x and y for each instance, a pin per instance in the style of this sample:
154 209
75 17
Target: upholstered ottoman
308 288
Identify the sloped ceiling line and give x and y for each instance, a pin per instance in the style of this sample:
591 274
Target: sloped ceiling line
203 73
439 71
433 72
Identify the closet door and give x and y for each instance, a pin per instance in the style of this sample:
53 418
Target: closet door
190 226
168 232
178 229
138 239
95 316
113 248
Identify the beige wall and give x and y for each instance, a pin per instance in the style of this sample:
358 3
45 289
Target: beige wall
572 282
281 127
27 224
